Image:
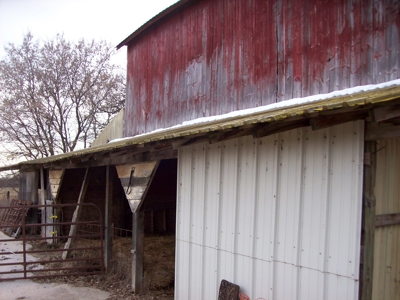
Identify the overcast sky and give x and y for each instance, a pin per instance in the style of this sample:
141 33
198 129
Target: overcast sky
110 20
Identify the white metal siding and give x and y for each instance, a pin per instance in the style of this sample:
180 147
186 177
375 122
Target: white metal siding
280 216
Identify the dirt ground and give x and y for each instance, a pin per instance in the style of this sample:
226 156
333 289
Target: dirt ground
158 277
159 264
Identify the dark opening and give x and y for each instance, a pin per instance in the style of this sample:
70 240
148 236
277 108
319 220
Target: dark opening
159 208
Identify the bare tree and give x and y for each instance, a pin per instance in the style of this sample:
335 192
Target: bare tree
56 96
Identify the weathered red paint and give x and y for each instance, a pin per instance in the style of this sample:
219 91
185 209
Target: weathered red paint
215 56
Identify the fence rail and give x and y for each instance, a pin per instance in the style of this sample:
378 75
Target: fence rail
25 255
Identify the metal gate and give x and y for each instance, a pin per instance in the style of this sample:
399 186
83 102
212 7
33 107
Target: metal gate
38 241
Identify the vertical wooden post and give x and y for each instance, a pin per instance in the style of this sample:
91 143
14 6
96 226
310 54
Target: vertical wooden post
75 217
369 203
137 251
108 221
43 201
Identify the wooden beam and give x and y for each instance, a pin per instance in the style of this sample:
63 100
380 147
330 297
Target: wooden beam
129 158
137 251
375 131
384 113
231 134
266 129
368 229
179 142
324 121
387 220
76 215
42 190
108 221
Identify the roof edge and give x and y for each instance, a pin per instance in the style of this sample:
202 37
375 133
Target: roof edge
152 21
367 95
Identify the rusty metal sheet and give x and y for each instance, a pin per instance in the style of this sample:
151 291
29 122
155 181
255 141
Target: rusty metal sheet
212 57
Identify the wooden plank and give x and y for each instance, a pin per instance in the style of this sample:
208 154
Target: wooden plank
55 178
230 134
42 188
325 121
387 220
386 113
56 174
376 131
50 230
76 215
143 181
135 180
266 129
108 221
369 203
137 251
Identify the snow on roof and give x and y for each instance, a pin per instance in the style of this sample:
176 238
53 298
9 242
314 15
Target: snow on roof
273 107
357 96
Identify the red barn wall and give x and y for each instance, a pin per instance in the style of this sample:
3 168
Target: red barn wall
215 56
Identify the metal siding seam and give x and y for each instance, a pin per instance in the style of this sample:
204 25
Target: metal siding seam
276 168
255 214
197 216
211 218
234 250
289 201
218 214
327 214
337 219
220 211
205 189
322 245
192 163
229 173
185 157
277 210
359 164
266 193
302 132
251 188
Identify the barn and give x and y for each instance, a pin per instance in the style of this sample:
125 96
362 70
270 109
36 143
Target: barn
280 120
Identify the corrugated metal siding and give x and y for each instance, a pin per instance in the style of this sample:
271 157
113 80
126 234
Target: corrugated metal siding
387 239
212 57
280 215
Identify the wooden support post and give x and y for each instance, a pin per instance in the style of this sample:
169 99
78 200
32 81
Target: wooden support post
42 185
137 251
108 222
75 217
42 201
369 202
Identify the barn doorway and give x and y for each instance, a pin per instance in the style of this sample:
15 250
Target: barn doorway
159 209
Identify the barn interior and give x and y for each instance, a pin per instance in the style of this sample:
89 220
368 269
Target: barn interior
159 207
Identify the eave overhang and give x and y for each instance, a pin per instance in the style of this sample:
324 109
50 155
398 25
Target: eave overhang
374 103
